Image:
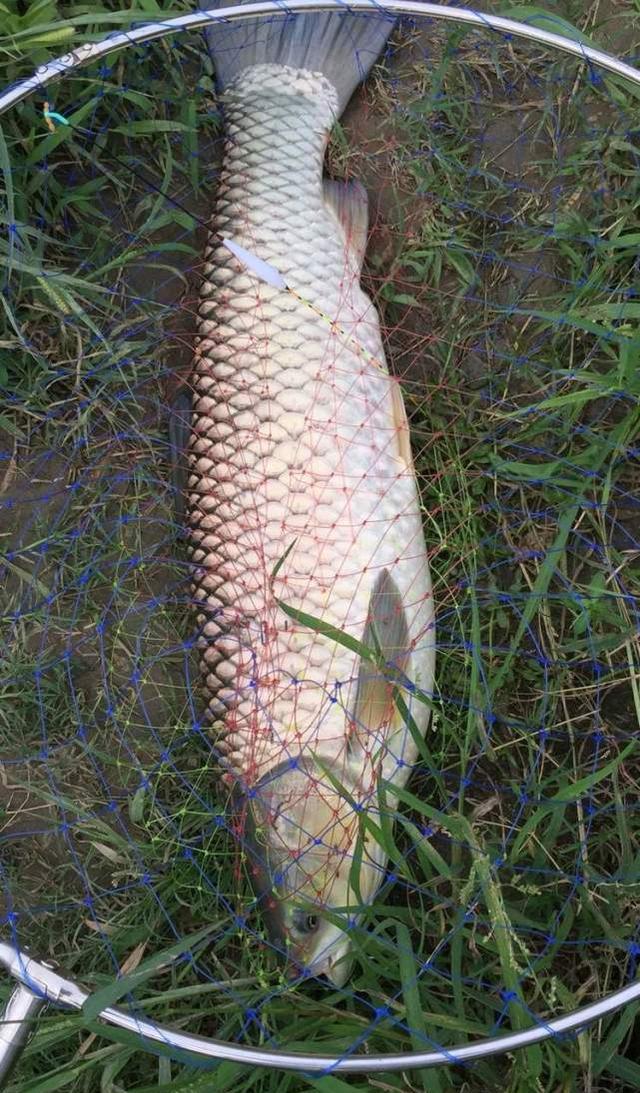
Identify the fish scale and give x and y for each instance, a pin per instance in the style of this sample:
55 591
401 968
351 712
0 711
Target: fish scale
295 442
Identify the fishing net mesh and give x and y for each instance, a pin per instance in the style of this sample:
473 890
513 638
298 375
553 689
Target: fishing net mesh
502 259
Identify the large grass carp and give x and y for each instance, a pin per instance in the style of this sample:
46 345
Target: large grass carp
302 492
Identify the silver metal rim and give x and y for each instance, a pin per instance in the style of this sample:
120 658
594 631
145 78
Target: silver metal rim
52 987
92 51
43 980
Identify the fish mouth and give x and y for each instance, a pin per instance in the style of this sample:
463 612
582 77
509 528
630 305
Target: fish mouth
332 962
335 969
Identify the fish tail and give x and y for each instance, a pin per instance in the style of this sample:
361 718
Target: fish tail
343 46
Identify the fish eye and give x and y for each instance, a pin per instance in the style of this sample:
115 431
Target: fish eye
304 922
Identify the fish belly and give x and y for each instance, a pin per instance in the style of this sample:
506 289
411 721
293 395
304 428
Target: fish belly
299 493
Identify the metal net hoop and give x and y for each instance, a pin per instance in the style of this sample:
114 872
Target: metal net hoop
39 984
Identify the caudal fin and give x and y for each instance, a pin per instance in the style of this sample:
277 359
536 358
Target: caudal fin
342 46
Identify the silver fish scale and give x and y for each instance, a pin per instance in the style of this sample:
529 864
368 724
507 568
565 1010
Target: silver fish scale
294 443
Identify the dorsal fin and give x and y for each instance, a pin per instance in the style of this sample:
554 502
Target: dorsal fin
401 424
349 203
179 430
386 634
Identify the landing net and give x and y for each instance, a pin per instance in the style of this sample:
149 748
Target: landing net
502 258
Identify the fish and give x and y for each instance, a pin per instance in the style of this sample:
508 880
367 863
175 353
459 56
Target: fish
310 573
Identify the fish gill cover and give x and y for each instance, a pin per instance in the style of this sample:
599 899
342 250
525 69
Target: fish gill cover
501 256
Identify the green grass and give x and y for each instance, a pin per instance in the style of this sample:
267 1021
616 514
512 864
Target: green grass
484 164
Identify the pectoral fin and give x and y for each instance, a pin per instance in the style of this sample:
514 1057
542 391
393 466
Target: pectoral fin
386 634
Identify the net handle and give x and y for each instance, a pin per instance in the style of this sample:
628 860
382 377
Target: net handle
92 51
16 1024
48 986
40 983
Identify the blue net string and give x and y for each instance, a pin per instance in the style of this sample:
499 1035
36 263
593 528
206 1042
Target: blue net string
502 183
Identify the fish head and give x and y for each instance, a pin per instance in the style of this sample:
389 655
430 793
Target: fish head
306 841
